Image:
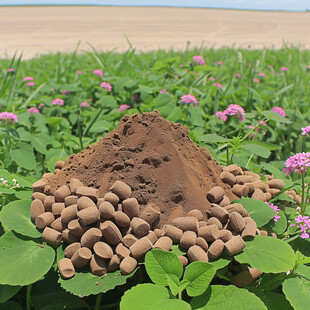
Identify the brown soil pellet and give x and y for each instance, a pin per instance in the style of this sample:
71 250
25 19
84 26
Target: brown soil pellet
69 237
158 232
61 193
235 245
250 229
196 253
258 195
66 268
47 176
268 196
261 185
255 273
44 219
113 263
172 232
107 210
103 250
202 223
71 249
129 240
216 249
121 251
224 235
36 209
139 227
152 236
196 213
228 178
188 239
234 169
48 202
51 236
98 266
214 221
251 188
202 243
57 207
58 225
140 247
112 198
90 237
263 232
163 243
59 164
215 194
234 207
224 202
76 228
89 192
150 214
68 214
74 184
242 279
128 265
219 212
88 216
71 200
242 179
298 199
121 219
186 223
183 260
81 257
121 189
38 195
85 202
209 233
131 207
110 232
39 186
236 221
240 190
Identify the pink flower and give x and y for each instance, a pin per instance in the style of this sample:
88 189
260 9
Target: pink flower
304 224
218 85
305 130
64 92
106 86
211 78
276 73
276 209
162 91
41 105
85 104
220 63
235 109
198 60
188 99
279 111
238 75
10 117
270 66
181 66
11 70
58 101
79 72
283 69
257 129
256 81
298 163
262 74
33 110
30 84
249 64
98 72
176 76
304 235
27 78
221 115
123 107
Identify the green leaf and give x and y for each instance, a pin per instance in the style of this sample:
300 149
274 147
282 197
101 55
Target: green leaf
84 283
22 181
221 262
273 170
150 297
173 283
40 141
276 117
212 138
23 261
7 292
259 210
159 263
162 100
23 195
218 297
278 227
177 250
22 154
256 149
16 216
107 102
10 305
267 254
199 274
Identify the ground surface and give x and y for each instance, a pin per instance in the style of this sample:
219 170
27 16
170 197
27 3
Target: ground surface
49 29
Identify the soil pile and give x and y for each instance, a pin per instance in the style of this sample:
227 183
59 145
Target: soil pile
156 158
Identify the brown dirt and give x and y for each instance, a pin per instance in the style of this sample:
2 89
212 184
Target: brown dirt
156 158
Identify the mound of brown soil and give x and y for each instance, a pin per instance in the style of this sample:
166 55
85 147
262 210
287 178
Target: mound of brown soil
156 158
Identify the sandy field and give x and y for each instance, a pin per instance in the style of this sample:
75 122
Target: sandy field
37 30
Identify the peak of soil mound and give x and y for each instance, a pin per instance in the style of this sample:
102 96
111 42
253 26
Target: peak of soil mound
156 158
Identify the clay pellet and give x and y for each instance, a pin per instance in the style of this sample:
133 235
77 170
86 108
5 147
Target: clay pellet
251 188
224 202
209 233
66 268
234 207
88 216
202 243
84 203
242 179
236 221
163 243
131 207
196 213
38 195
51 236
188 239
228 178
196 253
140 247
129 240
58 225
298 199
90 237
103 250
59 164
214 221
255 273
89 192
263 232
107 210
150 214
36 208
128 265
76 228
113 263
216 249
44 219
57 207
98 266
186 223
172 232
71 249
121 189
68 237
202 223
111 233
261 185
235 245
219 212
121 251
158 232
152 236
234 169
74 184
68 214
224 235
47 176
39 186
121 219
258 195
71 200
268 196
242 279
61 193
81 257
250 229
215 194
183 260
240 190
139 227
48 202
112 198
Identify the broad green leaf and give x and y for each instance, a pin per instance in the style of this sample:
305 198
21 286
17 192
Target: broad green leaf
162 100
7 292
23 195
218 297
199 274
150 297
256 149
273 170
267 254
23 134
212 138
276 117
22 181
259 210
10 305
107 102
173 283
303 271
221 262
278 227
23 261
40 141
16 216
22 154
159 263
85 283
177 250
271 281
269 146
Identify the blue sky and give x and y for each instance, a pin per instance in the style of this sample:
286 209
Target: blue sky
294 5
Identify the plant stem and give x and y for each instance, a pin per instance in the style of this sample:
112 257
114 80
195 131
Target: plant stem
98 301
302 194
180 295
9 135
80 130
28 300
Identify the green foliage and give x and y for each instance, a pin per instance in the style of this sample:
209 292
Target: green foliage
8 291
